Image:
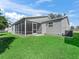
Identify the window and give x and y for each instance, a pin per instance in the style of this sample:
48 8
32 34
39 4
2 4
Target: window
50 24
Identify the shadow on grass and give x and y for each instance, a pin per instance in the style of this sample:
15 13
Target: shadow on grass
5 43
1 34
73 40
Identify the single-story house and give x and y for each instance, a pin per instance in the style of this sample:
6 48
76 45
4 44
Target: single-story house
51 24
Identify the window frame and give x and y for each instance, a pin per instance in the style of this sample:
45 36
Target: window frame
50 24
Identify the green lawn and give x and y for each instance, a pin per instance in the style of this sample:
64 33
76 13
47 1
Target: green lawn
38 47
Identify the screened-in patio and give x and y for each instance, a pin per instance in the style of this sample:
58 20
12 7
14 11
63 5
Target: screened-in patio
26 27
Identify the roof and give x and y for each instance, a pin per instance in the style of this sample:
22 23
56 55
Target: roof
30 17
38 20
44 19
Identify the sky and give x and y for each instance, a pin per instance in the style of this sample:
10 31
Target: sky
16 9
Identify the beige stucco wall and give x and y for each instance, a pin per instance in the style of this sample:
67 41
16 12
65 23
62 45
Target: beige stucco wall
55 29
65 25
43 28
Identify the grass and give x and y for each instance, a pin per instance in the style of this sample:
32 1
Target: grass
38 47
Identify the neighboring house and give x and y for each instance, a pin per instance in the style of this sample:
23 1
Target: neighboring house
51 24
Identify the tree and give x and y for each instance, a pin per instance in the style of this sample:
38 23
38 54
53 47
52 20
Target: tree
1 12
3 22
72 28
77 27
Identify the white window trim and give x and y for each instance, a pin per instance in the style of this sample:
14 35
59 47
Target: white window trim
50 24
